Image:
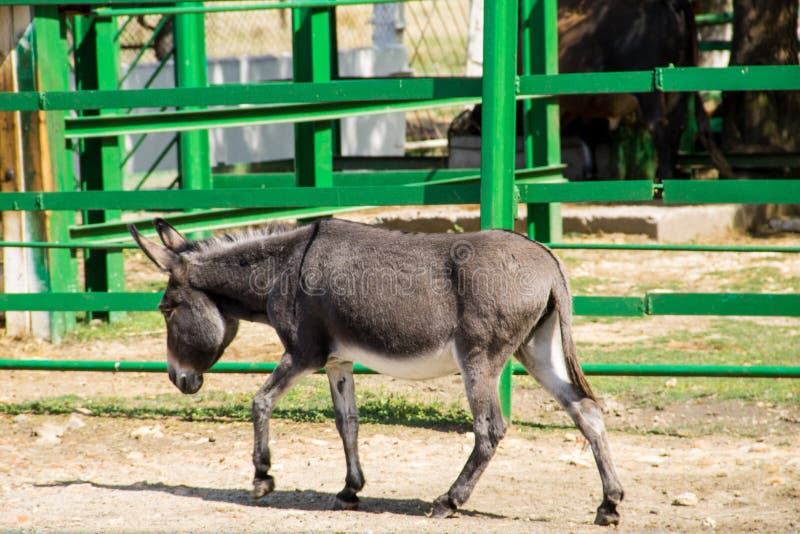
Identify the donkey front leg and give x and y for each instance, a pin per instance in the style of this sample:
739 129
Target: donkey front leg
340 376
489 426
286 374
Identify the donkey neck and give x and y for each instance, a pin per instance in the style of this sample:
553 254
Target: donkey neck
249 270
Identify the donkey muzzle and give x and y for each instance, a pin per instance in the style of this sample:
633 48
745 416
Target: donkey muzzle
188 382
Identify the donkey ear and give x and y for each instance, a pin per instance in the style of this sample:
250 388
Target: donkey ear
170 236
164 258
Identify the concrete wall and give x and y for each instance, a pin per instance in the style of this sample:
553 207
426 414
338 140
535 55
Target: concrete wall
374 135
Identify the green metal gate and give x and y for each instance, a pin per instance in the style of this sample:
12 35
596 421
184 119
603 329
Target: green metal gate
314 102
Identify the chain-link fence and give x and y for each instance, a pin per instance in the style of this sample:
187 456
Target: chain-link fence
434 34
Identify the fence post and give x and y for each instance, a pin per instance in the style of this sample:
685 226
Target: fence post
498 143
311 61
541 116
47 160
97 67
194 159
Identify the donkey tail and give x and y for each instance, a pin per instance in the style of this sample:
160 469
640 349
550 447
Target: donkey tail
562 300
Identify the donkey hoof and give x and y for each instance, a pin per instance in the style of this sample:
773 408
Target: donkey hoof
345 500
262 486
606 516
443 507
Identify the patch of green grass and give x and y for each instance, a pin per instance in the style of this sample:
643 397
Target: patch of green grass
309 402
725 342
582 285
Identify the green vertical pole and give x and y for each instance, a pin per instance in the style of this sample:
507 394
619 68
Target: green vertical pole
97 67
334 50
498 143
52 74
194 158
311 54
541 116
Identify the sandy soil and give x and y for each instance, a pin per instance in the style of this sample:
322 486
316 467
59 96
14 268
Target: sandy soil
195 477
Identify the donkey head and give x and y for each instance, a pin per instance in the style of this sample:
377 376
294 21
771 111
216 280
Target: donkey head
197 329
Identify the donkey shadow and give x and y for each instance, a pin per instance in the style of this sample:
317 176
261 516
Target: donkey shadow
301 500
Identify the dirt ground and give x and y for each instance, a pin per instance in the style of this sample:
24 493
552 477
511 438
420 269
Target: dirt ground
702 465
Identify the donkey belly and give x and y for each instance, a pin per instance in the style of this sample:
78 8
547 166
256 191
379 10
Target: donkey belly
433 364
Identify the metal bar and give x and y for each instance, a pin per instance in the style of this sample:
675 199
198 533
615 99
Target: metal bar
277 92
97 67
605 191
194 159
541 116
182 121
311 62
52 73
670 247
742 304
203 221
740 78
108 11
166 200
117 366
714 19
748 304
497 140
70 245
731 191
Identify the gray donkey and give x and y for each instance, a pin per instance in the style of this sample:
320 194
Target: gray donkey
413 306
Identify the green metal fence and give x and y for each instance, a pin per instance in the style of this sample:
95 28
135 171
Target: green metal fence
90 120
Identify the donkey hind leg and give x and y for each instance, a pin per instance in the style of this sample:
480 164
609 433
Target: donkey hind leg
343 394
543 357
286 374
489 426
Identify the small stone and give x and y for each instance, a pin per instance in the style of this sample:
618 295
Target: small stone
49 434
570 437
83 411
710 522
21 418
75 422
575 459
758 447
655 461
685 499
671 383
135 455
318 442
775 481
146 431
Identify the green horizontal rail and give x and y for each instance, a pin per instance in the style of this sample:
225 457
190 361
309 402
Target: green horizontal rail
731 371
203 119
750 304
105 234
740 78
714 19
609 306
671 247
731 191
456 193
143 224
278 92
181 10
654 303
451 192
605 191
399 91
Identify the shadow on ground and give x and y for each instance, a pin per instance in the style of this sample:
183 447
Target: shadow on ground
303 500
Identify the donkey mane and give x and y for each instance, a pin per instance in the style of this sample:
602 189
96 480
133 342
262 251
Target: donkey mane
233 239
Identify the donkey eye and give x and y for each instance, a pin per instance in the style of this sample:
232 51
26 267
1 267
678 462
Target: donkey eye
167 312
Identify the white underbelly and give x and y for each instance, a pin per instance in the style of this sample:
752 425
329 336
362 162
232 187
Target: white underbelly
439 362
